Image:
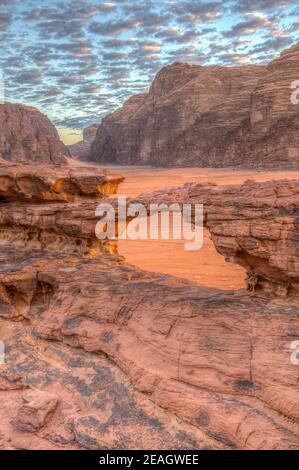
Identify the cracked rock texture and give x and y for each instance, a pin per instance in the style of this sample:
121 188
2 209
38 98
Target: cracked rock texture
27 136
55 183
102 355
215 365
208 117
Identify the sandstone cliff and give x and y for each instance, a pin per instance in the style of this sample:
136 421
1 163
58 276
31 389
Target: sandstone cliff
103 355
208 116
81 149
27 136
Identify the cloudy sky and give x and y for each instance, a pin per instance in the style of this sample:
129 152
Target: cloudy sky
78 60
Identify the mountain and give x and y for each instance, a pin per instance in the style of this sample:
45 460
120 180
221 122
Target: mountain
209 117
81 149
27 136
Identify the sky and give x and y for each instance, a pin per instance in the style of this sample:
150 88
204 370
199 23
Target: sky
77 61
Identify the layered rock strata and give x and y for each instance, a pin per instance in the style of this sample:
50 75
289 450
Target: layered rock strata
204 356
103 355
208 117
53 208
254 224
55 183
27 136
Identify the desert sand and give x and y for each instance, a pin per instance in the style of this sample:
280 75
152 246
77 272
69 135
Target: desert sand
206 266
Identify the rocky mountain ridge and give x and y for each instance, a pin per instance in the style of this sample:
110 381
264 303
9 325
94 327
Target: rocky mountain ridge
207 117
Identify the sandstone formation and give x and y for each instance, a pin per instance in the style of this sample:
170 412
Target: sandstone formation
55 183
81 149
208 117
102 355
27 136
210 358
254 224
53 208
93 404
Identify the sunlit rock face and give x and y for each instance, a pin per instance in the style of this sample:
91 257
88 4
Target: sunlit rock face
208 116
52 207
55 183
27 136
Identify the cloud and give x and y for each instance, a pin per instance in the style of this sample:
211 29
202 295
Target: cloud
272 44
81 58
151 46
191 12
4 3
31 76
5 20
177 35
90 89
116 43
76 49
116 27
252 23
107 6
245 6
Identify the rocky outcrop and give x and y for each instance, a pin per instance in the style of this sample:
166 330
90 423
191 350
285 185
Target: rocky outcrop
81 149
92 403
208 117
255 225
27 136
100 354
204 356
53 208
55 183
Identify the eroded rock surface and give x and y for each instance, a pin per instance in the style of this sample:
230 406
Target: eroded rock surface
206 357
55 183
81 149
93 403
26 135
102 355
208 117
254 224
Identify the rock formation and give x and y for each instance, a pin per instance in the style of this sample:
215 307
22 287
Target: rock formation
103 355
52 208
55 183
27 136
81 149
208 117
255 225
